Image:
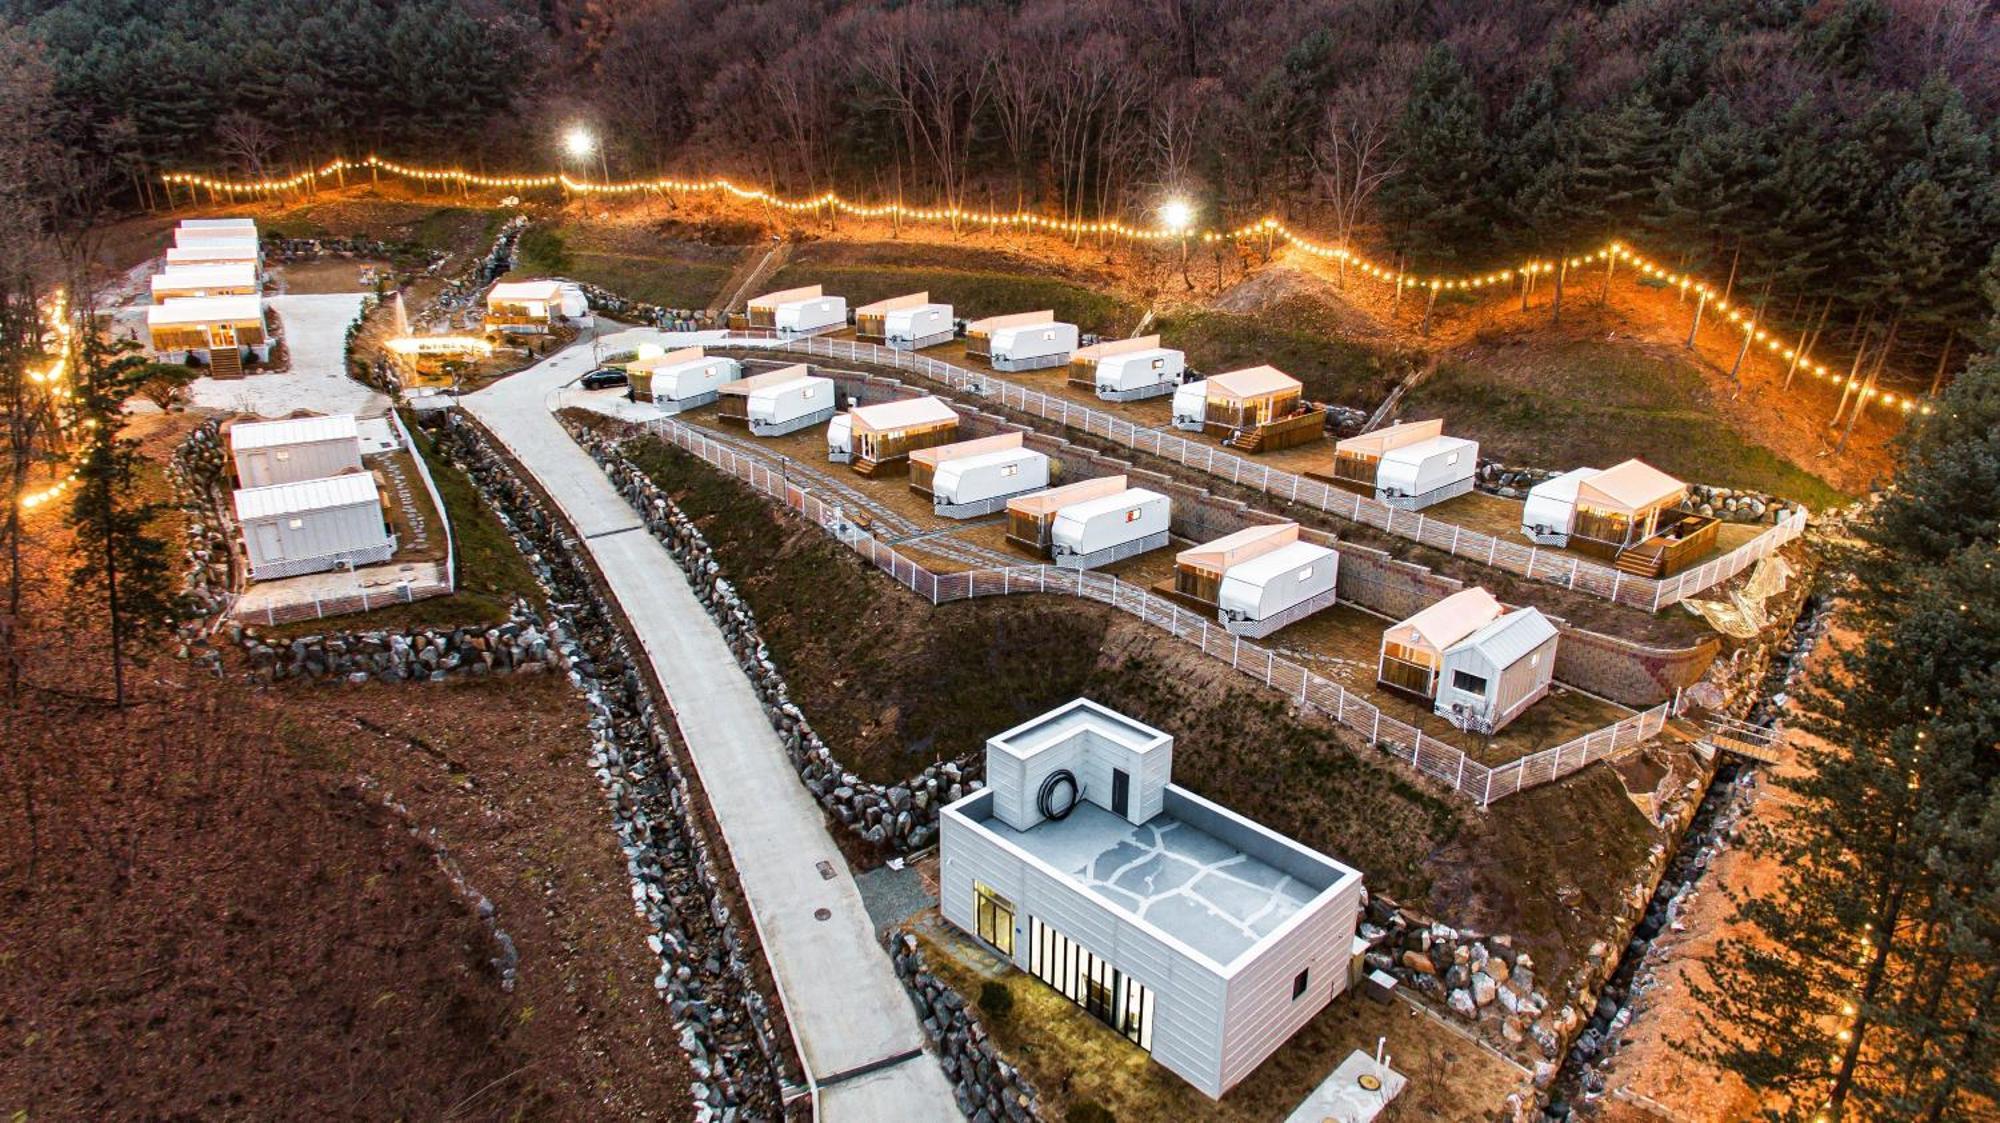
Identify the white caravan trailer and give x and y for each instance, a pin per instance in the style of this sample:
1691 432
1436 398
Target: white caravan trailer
796 312
924 461
1191 406
1274 589
1490 676
228 278
1111 528
1550 511
778 402
1134 375
1024 341
980 485
313 526
1417 475
268 453
840 438
906 323
681 380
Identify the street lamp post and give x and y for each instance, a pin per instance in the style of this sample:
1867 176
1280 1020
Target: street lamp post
579 143
1177 216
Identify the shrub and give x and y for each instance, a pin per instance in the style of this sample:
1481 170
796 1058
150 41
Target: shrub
1090 1111
996 1000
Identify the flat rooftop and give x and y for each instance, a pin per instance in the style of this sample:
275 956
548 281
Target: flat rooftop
1182 880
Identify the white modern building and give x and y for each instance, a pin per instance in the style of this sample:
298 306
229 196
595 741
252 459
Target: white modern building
216 253
313 526
268 453
1205 939
1110 528
224 328
228 278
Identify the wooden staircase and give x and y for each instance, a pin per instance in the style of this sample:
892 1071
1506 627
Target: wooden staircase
1642 561
225 362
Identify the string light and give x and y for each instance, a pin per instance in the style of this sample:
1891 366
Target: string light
1270 228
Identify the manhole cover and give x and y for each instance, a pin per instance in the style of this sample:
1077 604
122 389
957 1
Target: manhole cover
1370 1081
822 914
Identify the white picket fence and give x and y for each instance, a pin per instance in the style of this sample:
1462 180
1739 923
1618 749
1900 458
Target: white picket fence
1437 759
1525 559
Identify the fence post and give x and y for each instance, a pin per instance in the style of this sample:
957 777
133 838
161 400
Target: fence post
1375 734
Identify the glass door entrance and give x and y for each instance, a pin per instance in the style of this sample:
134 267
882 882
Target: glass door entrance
995 918
1111 996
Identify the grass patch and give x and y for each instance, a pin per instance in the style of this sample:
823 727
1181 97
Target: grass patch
664 281
542 250
1600 405
1333 369
971 293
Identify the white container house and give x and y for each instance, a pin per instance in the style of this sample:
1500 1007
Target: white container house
1490 676
1413 649
223 327
840 438
966 486
1274 589
1110 528
1550 510
777 402
313 526
1204 938
1191 406
216 253
1417 475
268 453
906 323
229 278
801 311
186 236
1024 341
681 380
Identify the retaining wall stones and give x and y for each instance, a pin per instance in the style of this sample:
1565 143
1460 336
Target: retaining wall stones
900 817
987 1088
740 1056
198 471
522 645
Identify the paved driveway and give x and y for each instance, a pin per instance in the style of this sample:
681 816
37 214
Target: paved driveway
853 1020
315 328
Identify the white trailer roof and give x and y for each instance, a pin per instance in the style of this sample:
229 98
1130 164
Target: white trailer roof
350 490
229 236
1137 355
206 310
214 275
1423 450
1509 638
509 291
223 251
218 224
1265 568
951 470
1104 504
293 431
904 414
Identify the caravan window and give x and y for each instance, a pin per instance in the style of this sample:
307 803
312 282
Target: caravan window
1132 515
296 524
1010 469
1471 684
1305 574
281 456
1158 363
1452 459
809 392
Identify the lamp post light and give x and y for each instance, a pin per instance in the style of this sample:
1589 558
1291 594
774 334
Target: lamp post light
1177 217
579 143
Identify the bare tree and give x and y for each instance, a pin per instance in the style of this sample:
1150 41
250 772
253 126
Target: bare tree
1353 155
246 140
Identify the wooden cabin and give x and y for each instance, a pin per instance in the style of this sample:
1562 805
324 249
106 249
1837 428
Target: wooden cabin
924 461
1029 517
223 328
885 434
1413 650
1261 409
1357 458
1629 514
1198 571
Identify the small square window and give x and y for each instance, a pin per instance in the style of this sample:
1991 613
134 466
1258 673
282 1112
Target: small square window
1159 364
1299 984
1132 515
1452 459
281 456
1306 574
809 392
1470 683
296 524
1010 469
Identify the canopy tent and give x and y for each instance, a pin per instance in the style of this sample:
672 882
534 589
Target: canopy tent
907 413
1621 505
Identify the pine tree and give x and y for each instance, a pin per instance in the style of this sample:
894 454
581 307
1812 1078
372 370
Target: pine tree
1434 202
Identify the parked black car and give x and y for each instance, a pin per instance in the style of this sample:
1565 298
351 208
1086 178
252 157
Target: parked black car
603 378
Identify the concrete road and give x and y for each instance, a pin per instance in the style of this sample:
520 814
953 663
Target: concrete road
853 1020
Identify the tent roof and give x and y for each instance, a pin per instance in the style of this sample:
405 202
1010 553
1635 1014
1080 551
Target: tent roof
1451 619
978 446
907 300
785 296
525 290
1394 436
351 489
1117 500
218 274
783 376
1562 487
1015 320
1252 382
670 359
1267 567
1634 486
904 414
206 310
1510 637
292 431
1417 451
1056 498
1234 549
1117 347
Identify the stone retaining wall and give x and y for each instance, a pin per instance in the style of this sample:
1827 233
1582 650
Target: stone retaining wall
987 1088
900 817
198 470
739 1054
523 645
